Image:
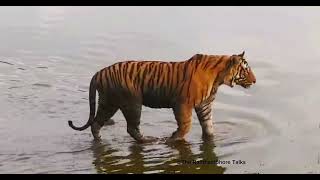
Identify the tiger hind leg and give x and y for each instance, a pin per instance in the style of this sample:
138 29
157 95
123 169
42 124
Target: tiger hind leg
132 114
104 113
183 115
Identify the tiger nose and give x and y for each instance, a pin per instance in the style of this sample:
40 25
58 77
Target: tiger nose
252 77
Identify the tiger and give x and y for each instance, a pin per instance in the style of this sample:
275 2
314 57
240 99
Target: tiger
179 85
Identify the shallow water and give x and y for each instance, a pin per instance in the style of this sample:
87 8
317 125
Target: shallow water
48 55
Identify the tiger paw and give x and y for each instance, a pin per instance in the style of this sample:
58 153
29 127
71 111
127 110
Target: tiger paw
173 140
148 139
109 122
207 137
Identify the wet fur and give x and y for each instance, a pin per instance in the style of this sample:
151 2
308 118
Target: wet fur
182 86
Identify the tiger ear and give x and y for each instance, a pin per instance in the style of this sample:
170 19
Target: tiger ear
242 54
233 61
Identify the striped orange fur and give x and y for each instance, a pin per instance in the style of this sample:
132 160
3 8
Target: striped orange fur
182 86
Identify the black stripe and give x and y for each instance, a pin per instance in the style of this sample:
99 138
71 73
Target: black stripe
131 70
115 72
165 78
172 84
181 83
161 80
110 77
100 78
107 74
203 108
213 90
136 78
118 76
208 63
156 76
218 77
198 61
106 77
202 93
144 73
121 73
151 83
168 79
219 61
152 74
178 73
191 76
113 76
160 74
204 120
205 111
188 88
204 115
185 68
125 75
139 64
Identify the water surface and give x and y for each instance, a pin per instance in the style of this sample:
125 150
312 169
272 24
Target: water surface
49 54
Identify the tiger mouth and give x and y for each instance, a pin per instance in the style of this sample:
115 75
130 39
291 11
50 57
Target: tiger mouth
233 83
247 86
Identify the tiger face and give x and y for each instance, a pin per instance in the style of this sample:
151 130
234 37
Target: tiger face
241 73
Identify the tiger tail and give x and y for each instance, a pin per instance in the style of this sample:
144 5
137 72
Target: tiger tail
92 103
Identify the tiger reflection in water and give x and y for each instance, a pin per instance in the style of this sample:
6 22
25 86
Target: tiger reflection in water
143 159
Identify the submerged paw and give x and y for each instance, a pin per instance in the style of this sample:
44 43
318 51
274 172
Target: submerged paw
109 122
148 139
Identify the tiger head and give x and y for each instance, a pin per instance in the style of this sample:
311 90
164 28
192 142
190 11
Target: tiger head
240 72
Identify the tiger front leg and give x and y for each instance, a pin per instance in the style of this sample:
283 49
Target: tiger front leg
183 115
204 114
